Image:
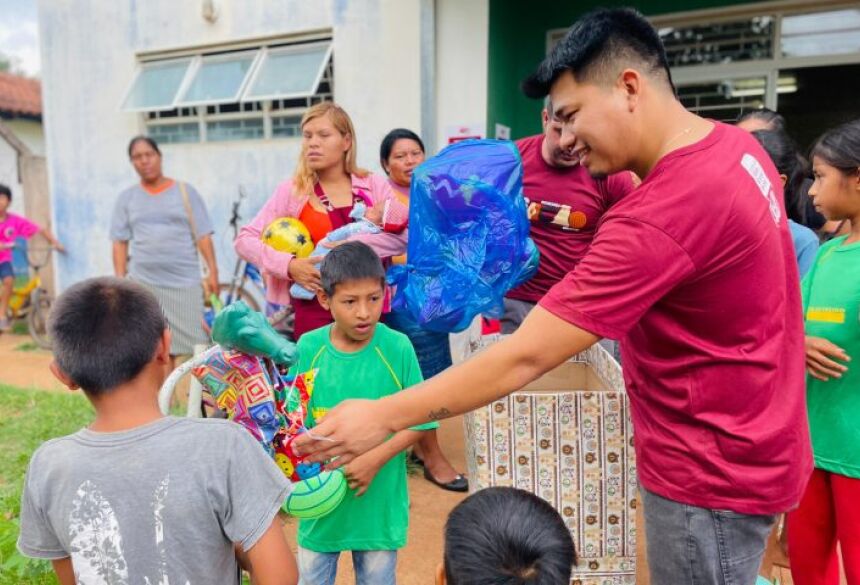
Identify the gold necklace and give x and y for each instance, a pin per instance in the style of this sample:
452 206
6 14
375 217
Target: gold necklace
680 134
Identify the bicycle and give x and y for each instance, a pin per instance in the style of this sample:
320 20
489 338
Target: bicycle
243 274
33 302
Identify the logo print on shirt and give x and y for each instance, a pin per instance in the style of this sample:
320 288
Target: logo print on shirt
755 170
555 214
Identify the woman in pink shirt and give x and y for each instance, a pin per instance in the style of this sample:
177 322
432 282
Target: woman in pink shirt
321 193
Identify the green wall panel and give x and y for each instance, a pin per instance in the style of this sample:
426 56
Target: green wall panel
517 43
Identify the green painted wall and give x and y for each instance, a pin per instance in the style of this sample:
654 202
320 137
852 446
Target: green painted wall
517 43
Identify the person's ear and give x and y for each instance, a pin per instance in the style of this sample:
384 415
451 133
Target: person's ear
162 352
630 82
544 116
324 299
64 378
347 141
857 180
440 574
784 179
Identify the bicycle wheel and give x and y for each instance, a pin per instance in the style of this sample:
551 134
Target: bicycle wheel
241 293
37 319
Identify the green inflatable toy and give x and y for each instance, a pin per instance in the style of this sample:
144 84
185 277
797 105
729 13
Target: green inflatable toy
239 328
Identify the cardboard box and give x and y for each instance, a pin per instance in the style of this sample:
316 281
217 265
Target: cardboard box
568 438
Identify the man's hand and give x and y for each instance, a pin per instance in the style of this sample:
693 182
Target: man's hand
819 364
351 428
360 471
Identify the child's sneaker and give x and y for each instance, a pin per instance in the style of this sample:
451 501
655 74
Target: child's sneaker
5 324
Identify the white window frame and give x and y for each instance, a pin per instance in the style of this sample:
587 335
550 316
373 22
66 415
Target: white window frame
201 60
266 112
264 54
139 71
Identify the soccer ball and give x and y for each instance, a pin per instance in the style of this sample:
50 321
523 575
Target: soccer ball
290 235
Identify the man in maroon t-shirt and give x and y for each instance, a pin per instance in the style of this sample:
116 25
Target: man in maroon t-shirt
694 271
564 205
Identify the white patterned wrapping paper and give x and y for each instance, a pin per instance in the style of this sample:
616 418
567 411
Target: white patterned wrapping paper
573 446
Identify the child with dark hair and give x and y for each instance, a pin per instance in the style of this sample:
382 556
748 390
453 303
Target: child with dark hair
829 513
792 172
138 496
506 536
12 227
761 119
358 357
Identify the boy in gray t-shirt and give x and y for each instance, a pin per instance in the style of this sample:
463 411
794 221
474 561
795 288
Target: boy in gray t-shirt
140 498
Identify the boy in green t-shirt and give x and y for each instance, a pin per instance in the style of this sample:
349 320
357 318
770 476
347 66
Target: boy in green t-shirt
357 357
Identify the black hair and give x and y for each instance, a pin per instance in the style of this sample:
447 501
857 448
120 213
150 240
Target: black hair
350 261
390 139
5 190
142 138
774 120
507 536
840 147
104 331
600 44
788 162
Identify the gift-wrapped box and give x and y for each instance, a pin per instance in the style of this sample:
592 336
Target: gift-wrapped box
567 437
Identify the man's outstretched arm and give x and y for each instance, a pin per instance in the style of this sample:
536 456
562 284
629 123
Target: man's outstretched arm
542 342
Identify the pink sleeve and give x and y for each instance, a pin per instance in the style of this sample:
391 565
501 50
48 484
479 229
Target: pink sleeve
620 278
25 227
249 245
384 244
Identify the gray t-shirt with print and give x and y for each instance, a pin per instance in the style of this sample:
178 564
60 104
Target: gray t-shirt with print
160 503
162 250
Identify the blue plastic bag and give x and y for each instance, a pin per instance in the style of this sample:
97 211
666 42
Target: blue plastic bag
468 236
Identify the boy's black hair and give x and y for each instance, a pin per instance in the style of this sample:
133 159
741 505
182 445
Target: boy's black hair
598 47
774 120
350 261
840 147
507 536
788 162
142 138
390 139
5 190
104 331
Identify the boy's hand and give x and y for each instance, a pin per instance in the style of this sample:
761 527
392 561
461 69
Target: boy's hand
360 472
58 246
819 364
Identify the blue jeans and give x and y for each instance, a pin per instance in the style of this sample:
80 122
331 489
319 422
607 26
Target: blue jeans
372 567
688 545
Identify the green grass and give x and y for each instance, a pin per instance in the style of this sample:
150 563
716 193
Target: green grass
19 327
27 419
27 346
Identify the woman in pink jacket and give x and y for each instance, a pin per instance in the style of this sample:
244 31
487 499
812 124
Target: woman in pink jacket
321 194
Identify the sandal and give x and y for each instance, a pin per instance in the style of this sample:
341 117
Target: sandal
458 484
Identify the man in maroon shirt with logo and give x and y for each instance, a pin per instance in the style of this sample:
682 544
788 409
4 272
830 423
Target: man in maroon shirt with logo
694 271
564 205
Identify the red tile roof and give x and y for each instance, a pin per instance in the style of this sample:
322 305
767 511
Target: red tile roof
20 96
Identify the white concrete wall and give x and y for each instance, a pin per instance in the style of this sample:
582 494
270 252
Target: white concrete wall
88 56
9 175
30 133
462 42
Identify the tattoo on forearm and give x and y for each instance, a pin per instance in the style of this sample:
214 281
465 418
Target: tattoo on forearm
439 414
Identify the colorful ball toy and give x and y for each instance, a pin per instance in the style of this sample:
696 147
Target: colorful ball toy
316 496
290 235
